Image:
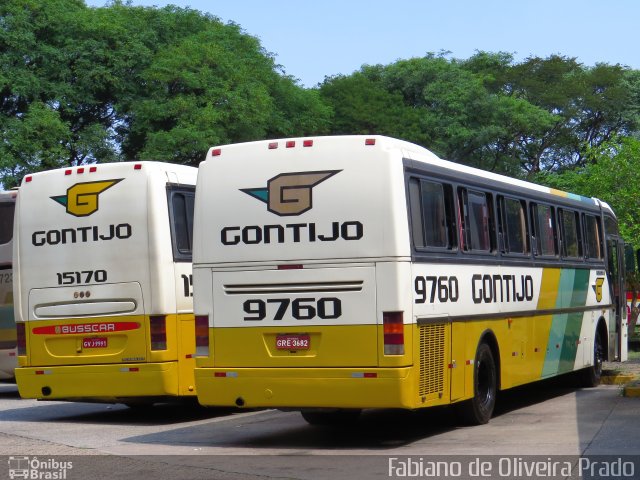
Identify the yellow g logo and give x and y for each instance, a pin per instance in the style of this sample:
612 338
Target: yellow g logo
81 199
290 193
598 288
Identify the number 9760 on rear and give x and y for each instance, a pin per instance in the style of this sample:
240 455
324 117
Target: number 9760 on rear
326 308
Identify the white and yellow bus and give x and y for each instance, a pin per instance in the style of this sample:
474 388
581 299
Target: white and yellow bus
365 272
7 322
102 288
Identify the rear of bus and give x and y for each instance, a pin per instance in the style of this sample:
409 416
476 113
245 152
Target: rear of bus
301 283
7 322
102 286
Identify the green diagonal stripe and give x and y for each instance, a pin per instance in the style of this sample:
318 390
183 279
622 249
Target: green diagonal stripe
559 323
574 322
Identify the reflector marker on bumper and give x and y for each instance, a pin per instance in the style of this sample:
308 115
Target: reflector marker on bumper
364 375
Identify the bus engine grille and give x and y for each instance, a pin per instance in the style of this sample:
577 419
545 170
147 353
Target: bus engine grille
432 358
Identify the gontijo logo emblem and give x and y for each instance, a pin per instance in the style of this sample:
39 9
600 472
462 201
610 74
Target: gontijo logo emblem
289 194
81 199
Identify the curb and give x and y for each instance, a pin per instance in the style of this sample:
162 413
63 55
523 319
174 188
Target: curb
632 389
616 378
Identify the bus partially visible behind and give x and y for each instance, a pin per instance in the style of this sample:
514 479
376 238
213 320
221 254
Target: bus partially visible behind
103 294
7 322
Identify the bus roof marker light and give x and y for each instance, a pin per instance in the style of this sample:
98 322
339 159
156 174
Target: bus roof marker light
93 169
216 152
67 172
28 179
137 166
307 143
290 144
80 170
370 141
273 145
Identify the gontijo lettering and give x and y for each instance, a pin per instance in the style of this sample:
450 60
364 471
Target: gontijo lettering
92 233
294 232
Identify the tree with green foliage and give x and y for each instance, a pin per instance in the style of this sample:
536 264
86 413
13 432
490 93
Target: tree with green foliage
82 85
362 105
216 86
488 111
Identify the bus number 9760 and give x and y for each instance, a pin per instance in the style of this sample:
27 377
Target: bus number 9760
301 308
445 289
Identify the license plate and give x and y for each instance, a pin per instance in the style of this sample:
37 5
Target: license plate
94 342
293 342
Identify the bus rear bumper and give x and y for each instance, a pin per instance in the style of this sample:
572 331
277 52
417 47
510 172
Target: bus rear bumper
307 388
108 383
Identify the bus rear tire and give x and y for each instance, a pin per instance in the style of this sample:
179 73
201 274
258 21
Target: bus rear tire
331 417
479 409
590 377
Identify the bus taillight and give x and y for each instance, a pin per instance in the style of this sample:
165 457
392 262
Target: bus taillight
393 328
22 338
202 335
158 328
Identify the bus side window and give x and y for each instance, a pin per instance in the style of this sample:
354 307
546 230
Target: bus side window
432 219
415 206
513 225
181 202
570 234
477 216
544 230
593 239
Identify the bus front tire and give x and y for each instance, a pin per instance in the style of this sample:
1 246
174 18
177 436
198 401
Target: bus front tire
478 410
331 417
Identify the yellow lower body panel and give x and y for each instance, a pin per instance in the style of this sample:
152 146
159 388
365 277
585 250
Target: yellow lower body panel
117 382
308 387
